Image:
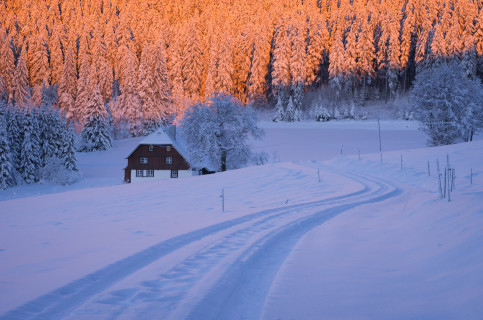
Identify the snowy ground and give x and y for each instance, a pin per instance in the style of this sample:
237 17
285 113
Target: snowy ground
369 241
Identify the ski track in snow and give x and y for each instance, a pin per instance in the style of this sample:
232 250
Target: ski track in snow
234 272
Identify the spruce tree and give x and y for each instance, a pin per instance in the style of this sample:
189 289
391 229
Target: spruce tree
291 114
56 58
175 67
317 45
21 87
128 107
479 34
14 132
224 77
84 86
146 88
366 54
336 64
29 154
192 69
279 111
281 63
68 86
297 66
39 68
7 67
6 167
258 71
96 133
162 82
67 152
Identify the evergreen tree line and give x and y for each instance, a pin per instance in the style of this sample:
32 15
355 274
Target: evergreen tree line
149 60
35 145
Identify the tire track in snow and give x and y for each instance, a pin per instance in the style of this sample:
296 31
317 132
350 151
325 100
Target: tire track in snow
241 291
161 297
60 302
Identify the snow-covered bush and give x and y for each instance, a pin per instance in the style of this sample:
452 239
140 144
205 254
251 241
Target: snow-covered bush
260 158
321 113
336 113
447 103
405 114
55 172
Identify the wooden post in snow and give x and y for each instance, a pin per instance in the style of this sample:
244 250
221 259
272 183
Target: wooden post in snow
222 200
380 144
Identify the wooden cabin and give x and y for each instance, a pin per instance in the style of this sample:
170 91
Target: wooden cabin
157 157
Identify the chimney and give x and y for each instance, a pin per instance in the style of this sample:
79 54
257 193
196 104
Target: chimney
172 131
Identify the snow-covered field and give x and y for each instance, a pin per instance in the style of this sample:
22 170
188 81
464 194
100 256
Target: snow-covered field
366 241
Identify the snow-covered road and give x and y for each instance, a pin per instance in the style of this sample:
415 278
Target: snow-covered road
223 271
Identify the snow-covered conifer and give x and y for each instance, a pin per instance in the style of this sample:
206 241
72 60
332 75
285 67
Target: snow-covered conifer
349 66
128 107
14 121
56 59
291 113
29 154
145 86
68 86
20 81
96 133
337 62
297 67
3 94
279 110
67 153
7 66
479 34
317 44
84 87
105 73
192 66
366 54
224 77
162 84
212 69
39 68
6 167
258 71
281 63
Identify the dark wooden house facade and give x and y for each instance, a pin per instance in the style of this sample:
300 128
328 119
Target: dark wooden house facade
157 157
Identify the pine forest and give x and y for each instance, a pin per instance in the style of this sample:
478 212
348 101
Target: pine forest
141 63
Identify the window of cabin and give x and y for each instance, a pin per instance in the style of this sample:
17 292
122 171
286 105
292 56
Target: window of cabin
174 173
168 148
151 147
139 173
169 160
144 160
149 173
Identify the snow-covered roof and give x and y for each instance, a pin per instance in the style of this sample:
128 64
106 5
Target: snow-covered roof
157 137
161 137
